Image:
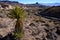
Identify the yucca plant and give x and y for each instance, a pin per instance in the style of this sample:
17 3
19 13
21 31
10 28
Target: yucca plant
19 14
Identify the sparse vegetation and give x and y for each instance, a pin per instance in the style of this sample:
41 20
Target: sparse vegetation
37 19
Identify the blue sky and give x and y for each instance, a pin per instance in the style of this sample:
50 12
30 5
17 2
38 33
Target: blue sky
34 1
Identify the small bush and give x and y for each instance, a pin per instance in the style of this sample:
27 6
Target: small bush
19 14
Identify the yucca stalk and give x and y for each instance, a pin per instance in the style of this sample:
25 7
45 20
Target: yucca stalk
19 14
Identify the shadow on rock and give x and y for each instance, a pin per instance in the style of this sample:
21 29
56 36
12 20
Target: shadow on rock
8 37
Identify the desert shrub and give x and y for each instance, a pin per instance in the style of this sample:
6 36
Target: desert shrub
19 14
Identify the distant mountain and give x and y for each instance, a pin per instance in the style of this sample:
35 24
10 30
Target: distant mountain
44 4
37 5
26 5
51 4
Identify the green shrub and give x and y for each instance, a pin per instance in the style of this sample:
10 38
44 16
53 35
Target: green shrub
19 14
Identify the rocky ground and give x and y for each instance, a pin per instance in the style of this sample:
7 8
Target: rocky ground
40 28
7 24
35 27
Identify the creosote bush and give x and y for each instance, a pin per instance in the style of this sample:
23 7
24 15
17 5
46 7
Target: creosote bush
19 14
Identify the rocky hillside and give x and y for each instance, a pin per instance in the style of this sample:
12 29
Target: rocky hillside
36 25
51 12
41 27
